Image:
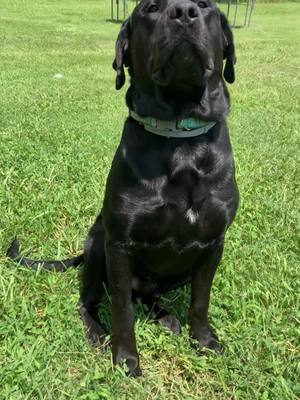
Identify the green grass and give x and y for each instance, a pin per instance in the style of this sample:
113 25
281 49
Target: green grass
57 139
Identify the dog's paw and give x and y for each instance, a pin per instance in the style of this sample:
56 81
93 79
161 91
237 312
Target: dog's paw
132 362
95 334
208 340
212 344
135 373
96 337
171 322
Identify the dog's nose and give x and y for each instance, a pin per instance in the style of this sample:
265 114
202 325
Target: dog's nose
184 13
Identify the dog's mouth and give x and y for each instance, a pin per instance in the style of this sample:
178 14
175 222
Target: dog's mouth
183 61
183 56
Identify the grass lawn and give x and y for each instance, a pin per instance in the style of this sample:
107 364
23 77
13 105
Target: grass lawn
60 122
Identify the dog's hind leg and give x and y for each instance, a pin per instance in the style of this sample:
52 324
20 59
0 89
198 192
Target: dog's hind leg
161 316
151 299
93 278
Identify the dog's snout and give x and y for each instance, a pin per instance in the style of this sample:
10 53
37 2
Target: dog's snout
184 13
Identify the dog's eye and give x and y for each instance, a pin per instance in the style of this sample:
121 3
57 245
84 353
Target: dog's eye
153 8
202 4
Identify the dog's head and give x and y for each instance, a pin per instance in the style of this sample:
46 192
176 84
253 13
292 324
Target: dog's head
175 49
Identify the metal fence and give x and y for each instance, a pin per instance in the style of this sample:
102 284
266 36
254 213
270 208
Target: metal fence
239 12
120 9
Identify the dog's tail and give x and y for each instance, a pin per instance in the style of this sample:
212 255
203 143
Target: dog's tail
13 252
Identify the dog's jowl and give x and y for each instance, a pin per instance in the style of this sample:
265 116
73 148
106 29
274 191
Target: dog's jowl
171 192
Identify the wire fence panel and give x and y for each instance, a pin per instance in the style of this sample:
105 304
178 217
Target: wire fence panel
239 12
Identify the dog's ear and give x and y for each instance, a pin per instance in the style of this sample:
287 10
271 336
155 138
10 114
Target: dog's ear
122 53
229 50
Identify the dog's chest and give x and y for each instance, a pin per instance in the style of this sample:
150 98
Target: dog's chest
179 197
182 209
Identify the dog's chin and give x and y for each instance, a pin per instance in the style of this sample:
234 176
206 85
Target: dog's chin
180 71
183 56
170 76
182 65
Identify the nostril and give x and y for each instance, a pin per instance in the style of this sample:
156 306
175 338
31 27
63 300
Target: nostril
183 13
193 12
176 13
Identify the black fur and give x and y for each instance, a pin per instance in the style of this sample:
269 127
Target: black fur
168 202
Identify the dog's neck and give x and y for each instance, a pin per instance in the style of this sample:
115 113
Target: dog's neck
210 103
147 103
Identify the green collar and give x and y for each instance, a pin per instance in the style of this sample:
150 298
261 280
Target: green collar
184 128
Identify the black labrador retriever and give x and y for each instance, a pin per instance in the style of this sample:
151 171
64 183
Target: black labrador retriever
171 192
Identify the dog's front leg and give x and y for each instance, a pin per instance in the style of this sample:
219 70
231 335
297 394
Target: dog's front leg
202 278
119 271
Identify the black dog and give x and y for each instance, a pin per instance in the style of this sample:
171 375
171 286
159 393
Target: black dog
171 192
